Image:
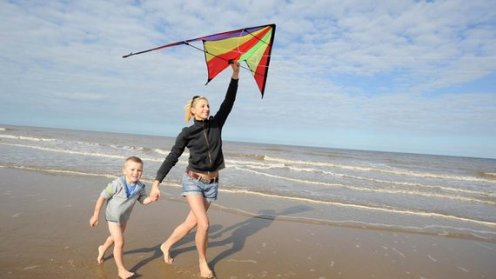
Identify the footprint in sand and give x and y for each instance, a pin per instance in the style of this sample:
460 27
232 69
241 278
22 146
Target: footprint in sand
31 267
16 215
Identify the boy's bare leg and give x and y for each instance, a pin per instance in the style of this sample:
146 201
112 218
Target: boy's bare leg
199 209
179 233
103 248
117 233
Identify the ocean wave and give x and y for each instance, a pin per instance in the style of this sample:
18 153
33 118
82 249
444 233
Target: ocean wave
81 173
374 190
58 150
378 170
164 153
161 151
385 181
88 153
61 142
254 164
261 166
14 137
258 168
256 157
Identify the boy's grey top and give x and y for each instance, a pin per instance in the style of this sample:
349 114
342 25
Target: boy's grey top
119 205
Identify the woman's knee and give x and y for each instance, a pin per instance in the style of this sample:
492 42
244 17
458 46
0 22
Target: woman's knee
190 224
203 225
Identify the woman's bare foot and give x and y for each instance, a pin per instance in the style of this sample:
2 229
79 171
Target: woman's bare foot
101 253
124 274
205 271
167 258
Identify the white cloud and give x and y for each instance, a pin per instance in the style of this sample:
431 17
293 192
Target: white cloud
336 64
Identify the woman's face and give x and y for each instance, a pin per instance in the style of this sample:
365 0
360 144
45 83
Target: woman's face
201 109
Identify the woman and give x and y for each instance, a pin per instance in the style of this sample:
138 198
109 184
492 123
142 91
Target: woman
200 181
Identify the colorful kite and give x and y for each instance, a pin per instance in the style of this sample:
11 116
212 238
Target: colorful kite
252 45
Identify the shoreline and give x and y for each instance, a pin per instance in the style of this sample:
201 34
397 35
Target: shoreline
231 201
45 233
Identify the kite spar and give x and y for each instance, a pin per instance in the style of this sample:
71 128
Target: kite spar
252 45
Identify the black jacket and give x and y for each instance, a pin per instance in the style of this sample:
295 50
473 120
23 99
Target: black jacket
203 139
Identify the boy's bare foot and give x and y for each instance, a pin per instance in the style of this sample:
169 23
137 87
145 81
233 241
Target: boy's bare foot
167 258
124 274
205 271
101 253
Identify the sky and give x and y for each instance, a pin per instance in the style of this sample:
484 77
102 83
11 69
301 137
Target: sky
399 76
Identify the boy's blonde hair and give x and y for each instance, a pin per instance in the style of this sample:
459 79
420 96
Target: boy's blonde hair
134 159
189 105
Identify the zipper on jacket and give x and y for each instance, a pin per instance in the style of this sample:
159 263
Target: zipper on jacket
208 146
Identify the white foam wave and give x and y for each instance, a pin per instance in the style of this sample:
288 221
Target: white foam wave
380 170
384 181
413 184
166 152
80 173
94 154
375 190
254 165
161 151
82 153
25 138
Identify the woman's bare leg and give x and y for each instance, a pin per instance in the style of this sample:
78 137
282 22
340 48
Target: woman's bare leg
179 233
199 209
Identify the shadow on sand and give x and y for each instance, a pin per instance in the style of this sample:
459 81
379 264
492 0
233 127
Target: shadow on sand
234 237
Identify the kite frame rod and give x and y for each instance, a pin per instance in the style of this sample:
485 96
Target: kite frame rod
200 38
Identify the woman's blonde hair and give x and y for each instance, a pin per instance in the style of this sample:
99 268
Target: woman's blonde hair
189 105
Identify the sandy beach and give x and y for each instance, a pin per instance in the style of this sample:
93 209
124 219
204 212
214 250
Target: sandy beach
45 234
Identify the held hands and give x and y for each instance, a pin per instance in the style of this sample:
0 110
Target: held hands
150 199
155 191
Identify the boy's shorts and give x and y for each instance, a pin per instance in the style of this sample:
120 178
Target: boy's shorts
192 186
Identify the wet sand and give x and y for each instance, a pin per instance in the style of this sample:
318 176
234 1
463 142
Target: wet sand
44 233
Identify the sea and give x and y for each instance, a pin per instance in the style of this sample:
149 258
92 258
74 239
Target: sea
410 193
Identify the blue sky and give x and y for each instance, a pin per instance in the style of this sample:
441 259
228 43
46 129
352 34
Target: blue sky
401 76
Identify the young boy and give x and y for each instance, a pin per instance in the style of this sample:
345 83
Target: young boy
121 195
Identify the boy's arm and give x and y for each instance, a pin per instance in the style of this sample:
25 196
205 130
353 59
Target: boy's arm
144 199
96 213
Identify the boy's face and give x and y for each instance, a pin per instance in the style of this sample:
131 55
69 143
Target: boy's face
132 171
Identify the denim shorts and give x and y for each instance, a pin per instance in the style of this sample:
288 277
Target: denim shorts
193 186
